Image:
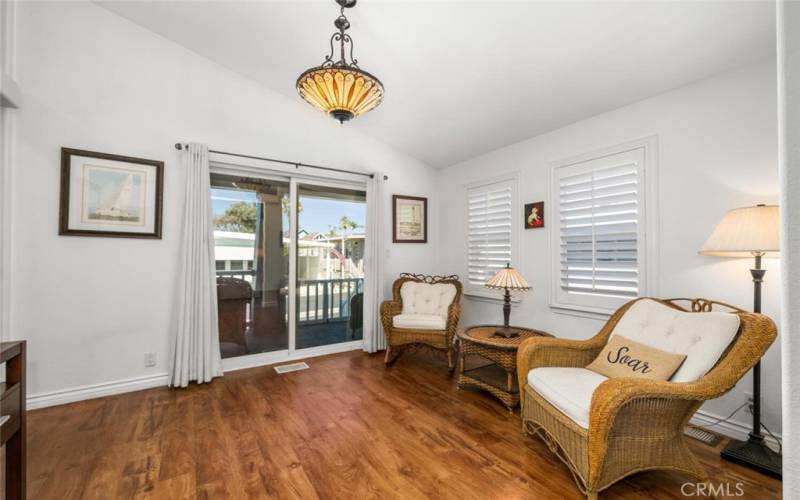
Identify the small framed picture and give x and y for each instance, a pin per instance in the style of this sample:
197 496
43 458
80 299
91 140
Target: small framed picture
534 215
110 195
409 219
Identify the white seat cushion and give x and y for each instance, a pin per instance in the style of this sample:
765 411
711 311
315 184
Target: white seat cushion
702 337
424 298
419 321
568 389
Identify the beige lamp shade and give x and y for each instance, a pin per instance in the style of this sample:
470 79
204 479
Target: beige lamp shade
507 279
744 232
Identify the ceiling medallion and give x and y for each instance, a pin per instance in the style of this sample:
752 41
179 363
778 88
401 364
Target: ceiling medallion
340 88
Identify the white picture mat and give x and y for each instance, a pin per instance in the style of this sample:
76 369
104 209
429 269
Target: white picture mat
76 186
409 211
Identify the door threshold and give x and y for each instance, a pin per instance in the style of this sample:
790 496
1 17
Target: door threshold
274 357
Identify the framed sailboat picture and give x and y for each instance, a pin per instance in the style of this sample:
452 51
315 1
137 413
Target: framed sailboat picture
110 195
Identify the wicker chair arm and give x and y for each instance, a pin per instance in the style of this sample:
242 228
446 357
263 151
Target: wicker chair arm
615 393
392 307
550 351
618 391
389 309
662 407
453 315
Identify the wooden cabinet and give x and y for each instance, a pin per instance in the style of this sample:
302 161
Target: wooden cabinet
12 413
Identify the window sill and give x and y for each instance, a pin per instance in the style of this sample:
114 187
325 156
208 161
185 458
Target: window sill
581 311
495 298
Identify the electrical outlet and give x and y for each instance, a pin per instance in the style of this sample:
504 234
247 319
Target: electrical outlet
749 396
150 359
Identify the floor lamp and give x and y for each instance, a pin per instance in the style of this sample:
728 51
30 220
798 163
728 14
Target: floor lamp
750 232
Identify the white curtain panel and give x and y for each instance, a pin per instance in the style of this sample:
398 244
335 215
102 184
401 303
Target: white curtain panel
196 355
373 265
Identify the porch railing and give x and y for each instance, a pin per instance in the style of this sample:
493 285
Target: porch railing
242 274
318 301
321 301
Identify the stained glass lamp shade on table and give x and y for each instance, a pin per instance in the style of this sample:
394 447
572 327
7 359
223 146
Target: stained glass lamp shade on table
507 279
750 232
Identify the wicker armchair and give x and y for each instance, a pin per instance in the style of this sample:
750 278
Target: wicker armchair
399 338
633 424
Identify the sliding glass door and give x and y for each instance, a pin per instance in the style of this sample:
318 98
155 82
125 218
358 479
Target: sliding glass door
258 251
330 265
251 248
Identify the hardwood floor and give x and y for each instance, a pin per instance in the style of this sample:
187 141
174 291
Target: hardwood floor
345 429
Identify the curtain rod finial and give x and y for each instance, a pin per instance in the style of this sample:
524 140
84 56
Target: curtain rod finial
178 146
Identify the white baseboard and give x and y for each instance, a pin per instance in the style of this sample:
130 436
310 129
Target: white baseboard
72 395
64 396
731 429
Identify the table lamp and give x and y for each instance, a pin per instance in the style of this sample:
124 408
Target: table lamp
507 279
750 232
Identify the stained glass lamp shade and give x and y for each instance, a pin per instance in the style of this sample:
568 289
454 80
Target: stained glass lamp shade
507 279
340 88
343 93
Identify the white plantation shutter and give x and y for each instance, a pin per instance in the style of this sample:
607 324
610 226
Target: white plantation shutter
489 230
600 230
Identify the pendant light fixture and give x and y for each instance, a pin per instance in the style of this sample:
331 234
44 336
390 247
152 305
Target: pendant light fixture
340 88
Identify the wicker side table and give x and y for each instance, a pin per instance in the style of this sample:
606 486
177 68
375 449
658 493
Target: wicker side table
499 377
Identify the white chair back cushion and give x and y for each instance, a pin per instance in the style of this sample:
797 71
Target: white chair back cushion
702 337
428 299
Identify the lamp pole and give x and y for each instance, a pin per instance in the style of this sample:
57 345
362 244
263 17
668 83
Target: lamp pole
506 309
754 452
758 278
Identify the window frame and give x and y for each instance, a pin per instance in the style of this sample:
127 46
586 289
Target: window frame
479 291
648 252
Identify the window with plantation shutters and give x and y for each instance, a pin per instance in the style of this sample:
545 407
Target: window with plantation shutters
599 235
490 234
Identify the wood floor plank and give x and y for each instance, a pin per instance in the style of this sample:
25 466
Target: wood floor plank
348 428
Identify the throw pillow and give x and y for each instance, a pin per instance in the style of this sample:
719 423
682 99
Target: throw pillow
623 357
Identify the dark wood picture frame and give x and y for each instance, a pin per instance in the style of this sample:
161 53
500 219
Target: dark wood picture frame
63 213
530 207
424 201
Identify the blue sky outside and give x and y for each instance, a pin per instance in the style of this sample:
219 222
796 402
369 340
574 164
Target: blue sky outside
317 215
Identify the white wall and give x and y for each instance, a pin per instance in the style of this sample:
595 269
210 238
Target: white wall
8 95
91 307
789 134
717 150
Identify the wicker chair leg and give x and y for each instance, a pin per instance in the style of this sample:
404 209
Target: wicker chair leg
591 495
391 355
451 366
388 353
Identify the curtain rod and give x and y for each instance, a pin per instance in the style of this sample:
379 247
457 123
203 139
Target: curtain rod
180 146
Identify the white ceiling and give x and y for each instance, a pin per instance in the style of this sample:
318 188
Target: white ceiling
464 78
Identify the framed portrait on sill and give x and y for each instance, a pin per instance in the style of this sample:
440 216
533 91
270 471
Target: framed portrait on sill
409 219
110 195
